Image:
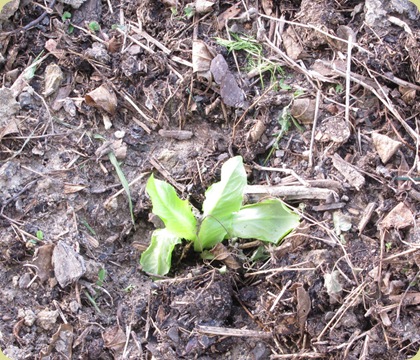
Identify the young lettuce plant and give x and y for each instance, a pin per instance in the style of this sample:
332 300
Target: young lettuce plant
223 216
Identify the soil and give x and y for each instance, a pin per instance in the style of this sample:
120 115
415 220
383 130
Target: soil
333 131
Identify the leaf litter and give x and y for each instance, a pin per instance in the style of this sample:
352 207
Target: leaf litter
344 284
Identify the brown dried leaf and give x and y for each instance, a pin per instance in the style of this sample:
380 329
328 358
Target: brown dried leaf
233 11
303 307
267 6
385 146
230 92
73 188
69 266
10 128
303 110
201 56
62 340
53 79
102 98
203 6
43 262
354 177
398 218
114 339
221 253
51 46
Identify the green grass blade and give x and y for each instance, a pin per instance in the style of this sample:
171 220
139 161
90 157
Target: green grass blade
123 181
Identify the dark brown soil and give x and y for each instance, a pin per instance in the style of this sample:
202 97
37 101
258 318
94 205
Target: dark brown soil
344 285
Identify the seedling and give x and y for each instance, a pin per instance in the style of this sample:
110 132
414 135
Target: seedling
40 235
91 230
94 26
65 18
223 216
96 290
123 181
285 122
256 60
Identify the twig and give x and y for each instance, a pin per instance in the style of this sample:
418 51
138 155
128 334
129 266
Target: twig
311 148
256 192
216 330
34 22
285 171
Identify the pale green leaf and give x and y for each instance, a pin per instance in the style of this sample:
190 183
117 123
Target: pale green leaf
268 221
175 213
222 200
417 3
158 256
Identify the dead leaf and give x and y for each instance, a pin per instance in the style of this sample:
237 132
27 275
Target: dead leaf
114 339
291 43
303 307
267 6
230 92
203 6
102 98
51 46
62 93
53 79
256 131
333 128
233 11
10 128
385 146
43 262
69 266
201 56
354 177
303 110
398 218
73 188
62 340
221 253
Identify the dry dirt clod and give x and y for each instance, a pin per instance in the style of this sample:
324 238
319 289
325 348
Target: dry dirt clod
47 318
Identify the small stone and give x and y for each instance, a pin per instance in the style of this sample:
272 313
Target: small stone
385 146
119 134
74 306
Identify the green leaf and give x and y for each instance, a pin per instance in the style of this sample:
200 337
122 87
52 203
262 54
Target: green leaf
222 200
40 235
158 256
175 213
94 26
66 15
268 221
417 3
